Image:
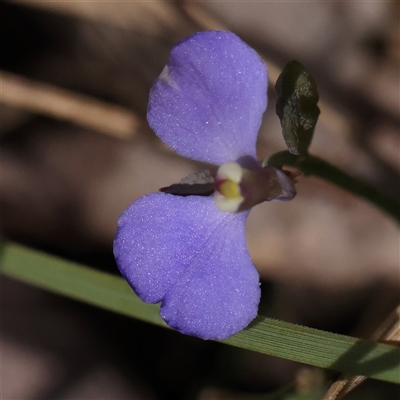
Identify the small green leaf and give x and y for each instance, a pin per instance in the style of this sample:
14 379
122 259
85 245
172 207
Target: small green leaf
297 107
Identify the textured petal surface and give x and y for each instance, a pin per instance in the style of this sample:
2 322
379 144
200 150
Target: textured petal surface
186 253
209 100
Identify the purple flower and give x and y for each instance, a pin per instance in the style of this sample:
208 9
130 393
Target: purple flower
190 253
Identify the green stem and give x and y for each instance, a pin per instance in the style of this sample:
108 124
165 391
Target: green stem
311 165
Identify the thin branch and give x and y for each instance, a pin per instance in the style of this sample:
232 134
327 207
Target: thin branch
311 165
51 101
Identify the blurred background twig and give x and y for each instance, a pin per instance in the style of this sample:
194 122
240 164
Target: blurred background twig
53 102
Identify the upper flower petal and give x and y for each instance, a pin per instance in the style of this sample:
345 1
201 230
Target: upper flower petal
208 102
186 253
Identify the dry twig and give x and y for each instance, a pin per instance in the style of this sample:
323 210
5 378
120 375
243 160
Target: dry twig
52 101
388 331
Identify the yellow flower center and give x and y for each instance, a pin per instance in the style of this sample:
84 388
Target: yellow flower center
227 195
238 189
229 189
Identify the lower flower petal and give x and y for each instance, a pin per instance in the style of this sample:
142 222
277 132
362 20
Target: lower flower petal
186 253
218 294
213 304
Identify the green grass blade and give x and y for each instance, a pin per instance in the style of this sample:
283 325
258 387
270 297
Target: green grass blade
75 281
277 338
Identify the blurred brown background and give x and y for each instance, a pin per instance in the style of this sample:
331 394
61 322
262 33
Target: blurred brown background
71 164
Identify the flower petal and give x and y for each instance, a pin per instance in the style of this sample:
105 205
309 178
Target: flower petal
186 253
208 102
154 242
218 294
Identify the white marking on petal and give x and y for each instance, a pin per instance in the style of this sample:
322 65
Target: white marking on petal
166 77
227 205
230 170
